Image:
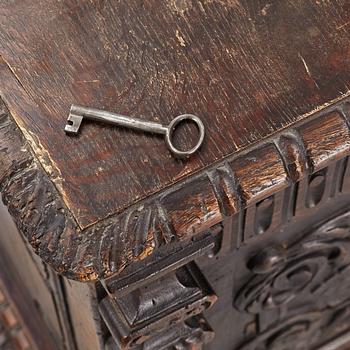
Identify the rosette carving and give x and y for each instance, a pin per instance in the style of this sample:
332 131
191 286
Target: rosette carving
298 294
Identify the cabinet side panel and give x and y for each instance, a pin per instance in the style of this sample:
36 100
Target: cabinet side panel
86 322
27 281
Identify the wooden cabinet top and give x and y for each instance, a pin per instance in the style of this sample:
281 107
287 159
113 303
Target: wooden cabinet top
249 69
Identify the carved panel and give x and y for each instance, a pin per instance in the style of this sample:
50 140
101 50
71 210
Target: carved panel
298 295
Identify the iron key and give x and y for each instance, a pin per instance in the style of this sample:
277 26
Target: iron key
78 113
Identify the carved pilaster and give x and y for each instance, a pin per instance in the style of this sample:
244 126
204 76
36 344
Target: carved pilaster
161 312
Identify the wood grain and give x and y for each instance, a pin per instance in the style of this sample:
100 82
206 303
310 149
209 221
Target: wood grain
85 319
248 68
182 212
336 133
25 325
257 172
178 204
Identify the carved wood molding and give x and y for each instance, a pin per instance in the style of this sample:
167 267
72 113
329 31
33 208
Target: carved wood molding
180 213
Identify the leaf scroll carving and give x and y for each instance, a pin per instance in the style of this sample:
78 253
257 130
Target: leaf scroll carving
299 295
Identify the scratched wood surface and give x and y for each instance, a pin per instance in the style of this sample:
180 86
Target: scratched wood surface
248 68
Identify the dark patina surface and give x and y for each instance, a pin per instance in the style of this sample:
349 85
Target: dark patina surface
248 68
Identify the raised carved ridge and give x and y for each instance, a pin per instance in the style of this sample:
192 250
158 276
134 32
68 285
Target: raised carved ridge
177 214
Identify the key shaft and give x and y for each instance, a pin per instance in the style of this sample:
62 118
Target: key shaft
77 113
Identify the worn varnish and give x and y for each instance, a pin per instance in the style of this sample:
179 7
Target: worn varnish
248 68
178 214
245 245
57 187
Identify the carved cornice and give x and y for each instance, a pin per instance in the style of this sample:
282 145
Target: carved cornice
180 213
